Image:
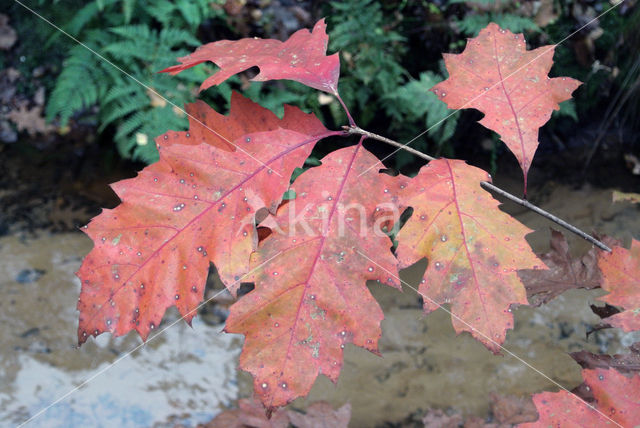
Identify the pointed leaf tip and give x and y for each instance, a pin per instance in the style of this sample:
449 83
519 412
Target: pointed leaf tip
510 85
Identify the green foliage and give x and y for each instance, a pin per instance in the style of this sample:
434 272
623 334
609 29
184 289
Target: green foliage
370 54
472 24
502 13
414 103
126 33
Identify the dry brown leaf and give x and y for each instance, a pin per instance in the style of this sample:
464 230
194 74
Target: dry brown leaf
624 363
565 272
508 409
30 120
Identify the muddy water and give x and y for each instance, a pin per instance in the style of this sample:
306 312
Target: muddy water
184 375
187 375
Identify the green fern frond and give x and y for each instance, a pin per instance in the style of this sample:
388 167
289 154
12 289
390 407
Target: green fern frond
133 44
472 24
120 108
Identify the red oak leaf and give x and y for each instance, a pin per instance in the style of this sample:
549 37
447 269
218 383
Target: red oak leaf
565 272
510 85
621 278
196 205
245 117
473 249
617 403
301 58
311 296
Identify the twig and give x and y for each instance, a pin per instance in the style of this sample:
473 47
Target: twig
487 186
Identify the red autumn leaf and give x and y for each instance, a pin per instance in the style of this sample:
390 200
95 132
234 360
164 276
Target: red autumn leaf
245 117
301 58
565 272
620 277
196 205
510 85
473 249
310 274
617 402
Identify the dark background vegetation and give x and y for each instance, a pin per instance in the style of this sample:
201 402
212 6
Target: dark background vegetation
70 122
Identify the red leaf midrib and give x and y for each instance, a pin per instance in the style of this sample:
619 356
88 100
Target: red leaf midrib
318 253
464 243
513 111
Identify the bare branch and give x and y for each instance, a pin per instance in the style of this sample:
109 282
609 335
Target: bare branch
487 186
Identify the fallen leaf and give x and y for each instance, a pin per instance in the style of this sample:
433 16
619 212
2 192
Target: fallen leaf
322 415
301 58
509 409
634 198
624 363
565 272
473 249
30 120
250 414
545 14
510 85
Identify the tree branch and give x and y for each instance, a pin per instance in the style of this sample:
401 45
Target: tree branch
485 185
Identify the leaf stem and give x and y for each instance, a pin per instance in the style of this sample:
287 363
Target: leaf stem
346 110
487 186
